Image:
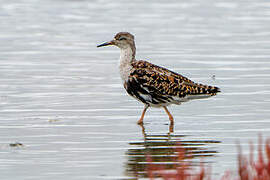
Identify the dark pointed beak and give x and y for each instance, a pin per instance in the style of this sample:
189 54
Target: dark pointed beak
106 44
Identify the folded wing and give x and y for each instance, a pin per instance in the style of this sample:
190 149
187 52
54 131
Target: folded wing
159 86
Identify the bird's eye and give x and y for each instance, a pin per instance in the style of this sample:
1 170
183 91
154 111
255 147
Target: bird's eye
122 38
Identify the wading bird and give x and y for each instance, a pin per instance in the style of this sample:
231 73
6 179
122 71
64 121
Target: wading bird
153 85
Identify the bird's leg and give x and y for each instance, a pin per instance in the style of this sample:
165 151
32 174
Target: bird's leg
143 113
171 128
169 114
143 130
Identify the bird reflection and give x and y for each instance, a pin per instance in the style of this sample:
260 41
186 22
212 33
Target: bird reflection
163 149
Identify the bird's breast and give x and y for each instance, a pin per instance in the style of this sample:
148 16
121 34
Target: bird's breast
124 70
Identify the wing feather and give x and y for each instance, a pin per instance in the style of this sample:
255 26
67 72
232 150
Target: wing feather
164 84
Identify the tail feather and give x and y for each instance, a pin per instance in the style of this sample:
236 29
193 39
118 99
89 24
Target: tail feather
200 89
213 90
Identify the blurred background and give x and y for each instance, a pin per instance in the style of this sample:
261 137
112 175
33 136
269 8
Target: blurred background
62 98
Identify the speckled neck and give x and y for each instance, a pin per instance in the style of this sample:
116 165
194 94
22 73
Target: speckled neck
127 56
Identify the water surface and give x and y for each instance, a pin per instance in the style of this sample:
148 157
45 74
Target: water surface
62 98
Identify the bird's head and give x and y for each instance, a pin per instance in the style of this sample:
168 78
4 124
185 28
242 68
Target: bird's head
122 40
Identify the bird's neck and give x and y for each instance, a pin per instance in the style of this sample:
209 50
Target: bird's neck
127 56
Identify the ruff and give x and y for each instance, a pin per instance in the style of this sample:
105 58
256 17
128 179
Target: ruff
153 85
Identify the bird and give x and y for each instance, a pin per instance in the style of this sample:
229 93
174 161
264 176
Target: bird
153 85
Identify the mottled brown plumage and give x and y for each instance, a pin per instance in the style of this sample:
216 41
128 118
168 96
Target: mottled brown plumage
168 81
154 85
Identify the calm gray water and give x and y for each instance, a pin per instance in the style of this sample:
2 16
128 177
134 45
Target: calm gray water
62 98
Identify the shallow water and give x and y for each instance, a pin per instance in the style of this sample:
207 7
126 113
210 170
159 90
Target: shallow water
62 98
